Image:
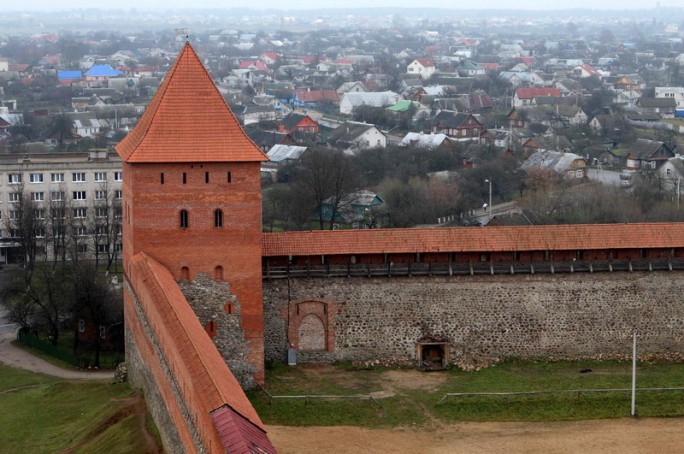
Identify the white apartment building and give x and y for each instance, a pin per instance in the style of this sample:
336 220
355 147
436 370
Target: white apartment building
73 200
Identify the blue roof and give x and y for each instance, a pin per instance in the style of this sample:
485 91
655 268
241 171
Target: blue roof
64 75
102 71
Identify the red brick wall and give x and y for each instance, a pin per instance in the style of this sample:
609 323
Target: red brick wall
152 224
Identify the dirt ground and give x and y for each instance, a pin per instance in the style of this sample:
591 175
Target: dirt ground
602 436
622 436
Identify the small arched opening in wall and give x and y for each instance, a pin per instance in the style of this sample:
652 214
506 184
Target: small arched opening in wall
309 326
185 273
218 273
432 355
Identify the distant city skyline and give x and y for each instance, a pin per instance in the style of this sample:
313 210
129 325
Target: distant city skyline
45 5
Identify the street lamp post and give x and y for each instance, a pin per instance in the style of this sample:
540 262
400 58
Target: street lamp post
488 180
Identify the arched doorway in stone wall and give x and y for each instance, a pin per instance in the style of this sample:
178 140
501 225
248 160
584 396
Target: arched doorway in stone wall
310 326
312 333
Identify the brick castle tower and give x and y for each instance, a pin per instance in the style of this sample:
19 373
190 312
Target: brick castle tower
192 201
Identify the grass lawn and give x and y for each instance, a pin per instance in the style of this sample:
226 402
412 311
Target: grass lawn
411 397
73 416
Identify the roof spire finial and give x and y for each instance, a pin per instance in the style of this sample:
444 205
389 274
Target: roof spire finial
181 32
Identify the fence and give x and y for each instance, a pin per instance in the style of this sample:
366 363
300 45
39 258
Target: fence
46 347
473 268
306 397
579 392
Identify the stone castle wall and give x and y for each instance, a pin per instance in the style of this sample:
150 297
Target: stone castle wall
480 317
213 302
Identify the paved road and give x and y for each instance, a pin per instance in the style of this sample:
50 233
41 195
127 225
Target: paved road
607 177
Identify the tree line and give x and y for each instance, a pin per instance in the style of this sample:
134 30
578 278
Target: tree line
62 284
418 186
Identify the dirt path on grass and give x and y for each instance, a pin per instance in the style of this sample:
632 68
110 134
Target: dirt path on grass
626 435
601 436
16 357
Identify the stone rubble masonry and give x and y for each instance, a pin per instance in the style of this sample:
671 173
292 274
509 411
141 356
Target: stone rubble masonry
209 300
502 316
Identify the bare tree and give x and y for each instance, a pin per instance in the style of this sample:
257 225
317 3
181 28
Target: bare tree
40 298
26 224
96 302
324 176
106 226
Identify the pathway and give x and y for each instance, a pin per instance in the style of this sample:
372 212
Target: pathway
17 357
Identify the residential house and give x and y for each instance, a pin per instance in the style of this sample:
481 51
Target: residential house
279 155
649 154
583 71
314 98
676 93
569 165
602 154
517 118
353 136
269 58
547 143
672 174
461 126
297 125
4 65
599 123
69 77
572 115
517 78
86 124
350 101
351 87
568 87
359 210
469 68
257 114
427 141
628 82
267 139
421 67
98 75
627 99
664 107
497 137
526 96
405 107
477 102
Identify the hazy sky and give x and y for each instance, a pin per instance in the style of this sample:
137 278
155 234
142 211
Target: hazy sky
312 4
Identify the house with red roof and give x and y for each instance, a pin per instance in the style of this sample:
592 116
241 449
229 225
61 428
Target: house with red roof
313 98
526 96
269 58
584 71
421 67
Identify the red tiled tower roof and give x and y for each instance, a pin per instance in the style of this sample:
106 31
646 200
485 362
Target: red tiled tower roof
188 121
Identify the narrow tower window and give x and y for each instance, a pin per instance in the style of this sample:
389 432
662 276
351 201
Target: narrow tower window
206 177
161 178
229 177
218 218
185 178
218 273
184 219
